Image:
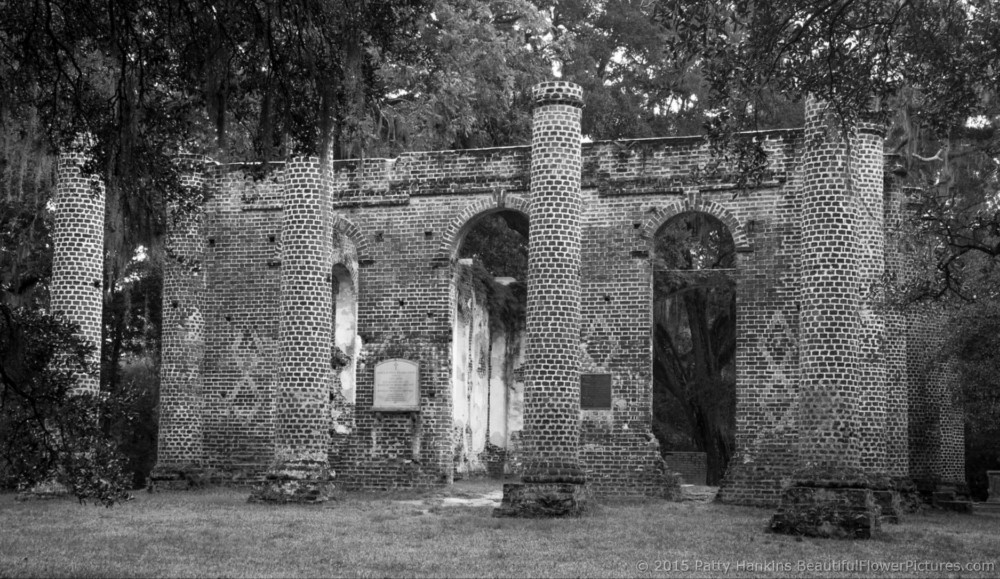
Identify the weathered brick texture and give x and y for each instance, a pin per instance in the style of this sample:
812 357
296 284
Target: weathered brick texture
829 327
552 384
305 327
180 443
78 254
823 372
867 176
896 381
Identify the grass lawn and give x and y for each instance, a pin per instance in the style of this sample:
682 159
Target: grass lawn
216 533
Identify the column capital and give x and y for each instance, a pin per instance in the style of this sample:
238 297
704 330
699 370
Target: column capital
557 92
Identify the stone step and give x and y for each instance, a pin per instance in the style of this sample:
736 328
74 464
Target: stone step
991 508
957 506
697 494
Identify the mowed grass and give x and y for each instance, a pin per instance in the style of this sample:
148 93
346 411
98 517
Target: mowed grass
216 533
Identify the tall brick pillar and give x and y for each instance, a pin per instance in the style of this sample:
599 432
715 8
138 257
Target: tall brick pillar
830 496
179 453
896 379
78 255
552 484
300 470
867 169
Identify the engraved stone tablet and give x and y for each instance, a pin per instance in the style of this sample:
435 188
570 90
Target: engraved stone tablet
595 391
397 386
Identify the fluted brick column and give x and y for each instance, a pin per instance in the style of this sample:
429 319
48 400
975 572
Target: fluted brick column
78 254
300 472
551 435
180 454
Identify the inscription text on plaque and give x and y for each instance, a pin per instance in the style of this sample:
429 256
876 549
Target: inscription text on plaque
397 386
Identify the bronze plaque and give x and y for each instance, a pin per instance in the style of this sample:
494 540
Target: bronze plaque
595 391
397 386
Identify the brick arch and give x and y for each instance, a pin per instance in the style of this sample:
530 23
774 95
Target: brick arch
344 225
461 223
663 214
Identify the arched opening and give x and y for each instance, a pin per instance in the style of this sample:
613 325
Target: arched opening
694 339
345 331
490 302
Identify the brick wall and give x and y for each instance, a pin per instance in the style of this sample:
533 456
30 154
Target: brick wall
395 227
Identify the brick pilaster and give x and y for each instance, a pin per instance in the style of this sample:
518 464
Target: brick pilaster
867 170
180 449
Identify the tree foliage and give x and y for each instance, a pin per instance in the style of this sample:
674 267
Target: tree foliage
466 79
925 67
133 83
49 430
498 246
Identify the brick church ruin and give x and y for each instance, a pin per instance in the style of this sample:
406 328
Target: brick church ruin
315 328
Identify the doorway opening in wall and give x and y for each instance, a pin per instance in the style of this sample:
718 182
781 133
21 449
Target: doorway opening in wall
694 340
345 347
490 301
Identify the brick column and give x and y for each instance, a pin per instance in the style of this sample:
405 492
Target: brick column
552 481
829 326
830 496
180 454
78 255
300 471
896 379
867 170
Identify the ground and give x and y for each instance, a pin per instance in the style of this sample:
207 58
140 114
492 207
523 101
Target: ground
450 532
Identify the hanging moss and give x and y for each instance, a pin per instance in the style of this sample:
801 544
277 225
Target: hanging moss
505 304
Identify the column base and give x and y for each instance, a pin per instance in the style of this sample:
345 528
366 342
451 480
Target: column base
830 512
890 504
554 472
294 485
530 500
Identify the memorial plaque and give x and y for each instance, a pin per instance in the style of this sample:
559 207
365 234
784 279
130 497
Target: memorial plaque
397 386
595 391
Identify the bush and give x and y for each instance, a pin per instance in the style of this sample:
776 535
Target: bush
49 429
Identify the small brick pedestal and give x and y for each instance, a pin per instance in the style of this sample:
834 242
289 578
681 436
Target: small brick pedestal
826 511
306 483
541 500
552 484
